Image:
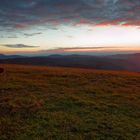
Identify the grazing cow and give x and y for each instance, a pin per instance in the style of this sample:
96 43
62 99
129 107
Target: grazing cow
1 70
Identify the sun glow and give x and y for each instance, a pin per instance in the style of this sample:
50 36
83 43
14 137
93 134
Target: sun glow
107 36
111 38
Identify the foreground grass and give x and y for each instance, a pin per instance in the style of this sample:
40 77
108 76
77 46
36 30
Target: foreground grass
39 103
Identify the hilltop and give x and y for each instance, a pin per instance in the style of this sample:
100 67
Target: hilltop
68 103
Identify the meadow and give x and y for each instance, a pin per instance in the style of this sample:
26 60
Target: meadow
51 103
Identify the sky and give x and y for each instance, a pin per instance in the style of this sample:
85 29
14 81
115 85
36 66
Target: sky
69 26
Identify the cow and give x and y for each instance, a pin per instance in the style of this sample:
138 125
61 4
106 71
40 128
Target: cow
1 70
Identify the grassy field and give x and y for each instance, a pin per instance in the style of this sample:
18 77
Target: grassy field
44 103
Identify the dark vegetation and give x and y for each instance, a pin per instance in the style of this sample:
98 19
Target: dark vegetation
129 62
1 70
39 103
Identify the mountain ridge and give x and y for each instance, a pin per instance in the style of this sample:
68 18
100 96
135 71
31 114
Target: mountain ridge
127 62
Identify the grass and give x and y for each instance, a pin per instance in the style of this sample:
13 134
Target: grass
39 103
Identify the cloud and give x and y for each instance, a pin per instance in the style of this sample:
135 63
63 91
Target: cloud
77 49
12 36
19 46
32 34
23 13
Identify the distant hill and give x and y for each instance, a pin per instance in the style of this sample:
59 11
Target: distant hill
129 62
2 56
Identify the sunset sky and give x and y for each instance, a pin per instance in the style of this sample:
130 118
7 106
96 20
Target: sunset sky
59 26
